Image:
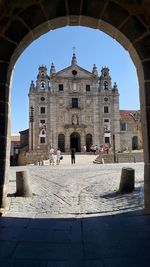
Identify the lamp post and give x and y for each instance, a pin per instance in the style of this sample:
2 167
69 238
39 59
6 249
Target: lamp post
114 148
31 123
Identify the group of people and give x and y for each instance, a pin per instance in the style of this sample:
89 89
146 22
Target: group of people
54 156
104 148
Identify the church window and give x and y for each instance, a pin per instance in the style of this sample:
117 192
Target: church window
106 120
42 121
106 109
107 140
74 72
105 85
42 140
74 102
42 85
106 98
42 110
87 88
42 98
123 126
61 87
106 125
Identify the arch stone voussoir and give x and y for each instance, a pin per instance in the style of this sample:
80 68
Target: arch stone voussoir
16 31
27 16
89 22
55 9
3 72
7 48
146 69
4 92
147 92
133 28
143 47
114 14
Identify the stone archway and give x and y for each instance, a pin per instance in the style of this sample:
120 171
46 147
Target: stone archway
134 142
89 142
75 141
126 21
61 142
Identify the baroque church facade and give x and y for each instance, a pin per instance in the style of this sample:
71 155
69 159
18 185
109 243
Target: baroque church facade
74 108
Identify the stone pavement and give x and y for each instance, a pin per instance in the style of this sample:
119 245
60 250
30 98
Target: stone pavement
83 188
76 218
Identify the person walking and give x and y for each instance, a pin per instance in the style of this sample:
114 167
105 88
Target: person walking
73 155
58 153
51 156
84 149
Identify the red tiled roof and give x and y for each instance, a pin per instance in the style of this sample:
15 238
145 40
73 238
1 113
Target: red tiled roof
125 114
15 138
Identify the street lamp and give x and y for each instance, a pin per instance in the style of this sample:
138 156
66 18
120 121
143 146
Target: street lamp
114 148
31 123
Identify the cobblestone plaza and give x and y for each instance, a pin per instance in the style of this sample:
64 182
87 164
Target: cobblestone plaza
83 188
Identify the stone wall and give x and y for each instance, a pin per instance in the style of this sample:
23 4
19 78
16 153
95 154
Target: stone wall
35 157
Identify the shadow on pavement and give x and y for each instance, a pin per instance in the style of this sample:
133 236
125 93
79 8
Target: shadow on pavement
107 241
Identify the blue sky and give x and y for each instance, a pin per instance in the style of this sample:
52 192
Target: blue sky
92 46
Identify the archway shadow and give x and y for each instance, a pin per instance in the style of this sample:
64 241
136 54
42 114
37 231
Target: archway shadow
116 240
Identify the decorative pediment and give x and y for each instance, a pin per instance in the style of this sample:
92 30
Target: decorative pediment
74 72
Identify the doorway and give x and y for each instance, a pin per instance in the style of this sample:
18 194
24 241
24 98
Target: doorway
75 142
61 142
134 142
89 142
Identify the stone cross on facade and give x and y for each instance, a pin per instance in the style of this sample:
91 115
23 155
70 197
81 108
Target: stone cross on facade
74 49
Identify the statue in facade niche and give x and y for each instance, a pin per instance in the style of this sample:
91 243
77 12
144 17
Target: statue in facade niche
42 126
74 119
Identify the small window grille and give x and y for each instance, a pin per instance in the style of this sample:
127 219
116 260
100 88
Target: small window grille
42 110
42 140
123 126
61 87
88 88
74 102
106 109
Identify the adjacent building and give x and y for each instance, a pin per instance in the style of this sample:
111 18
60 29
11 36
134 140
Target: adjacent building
15 145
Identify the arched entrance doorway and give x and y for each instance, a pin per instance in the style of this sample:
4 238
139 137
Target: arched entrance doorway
75 142
88 142
128 23
134 142
61 142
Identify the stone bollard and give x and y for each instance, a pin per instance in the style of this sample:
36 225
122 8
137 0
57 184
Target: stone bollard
126 181
102 161
22 184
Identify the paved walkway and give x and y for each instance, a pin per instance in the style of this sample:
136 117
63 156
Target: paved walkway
76 218
83 188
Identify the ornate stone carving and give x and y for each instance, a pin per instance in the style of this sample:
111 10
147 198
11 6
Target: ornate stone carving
88 102
75 120
61 102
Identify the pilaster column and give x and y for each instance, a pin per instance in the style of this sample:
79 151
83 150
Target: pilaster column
4 143
67 141
145 117
83 141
